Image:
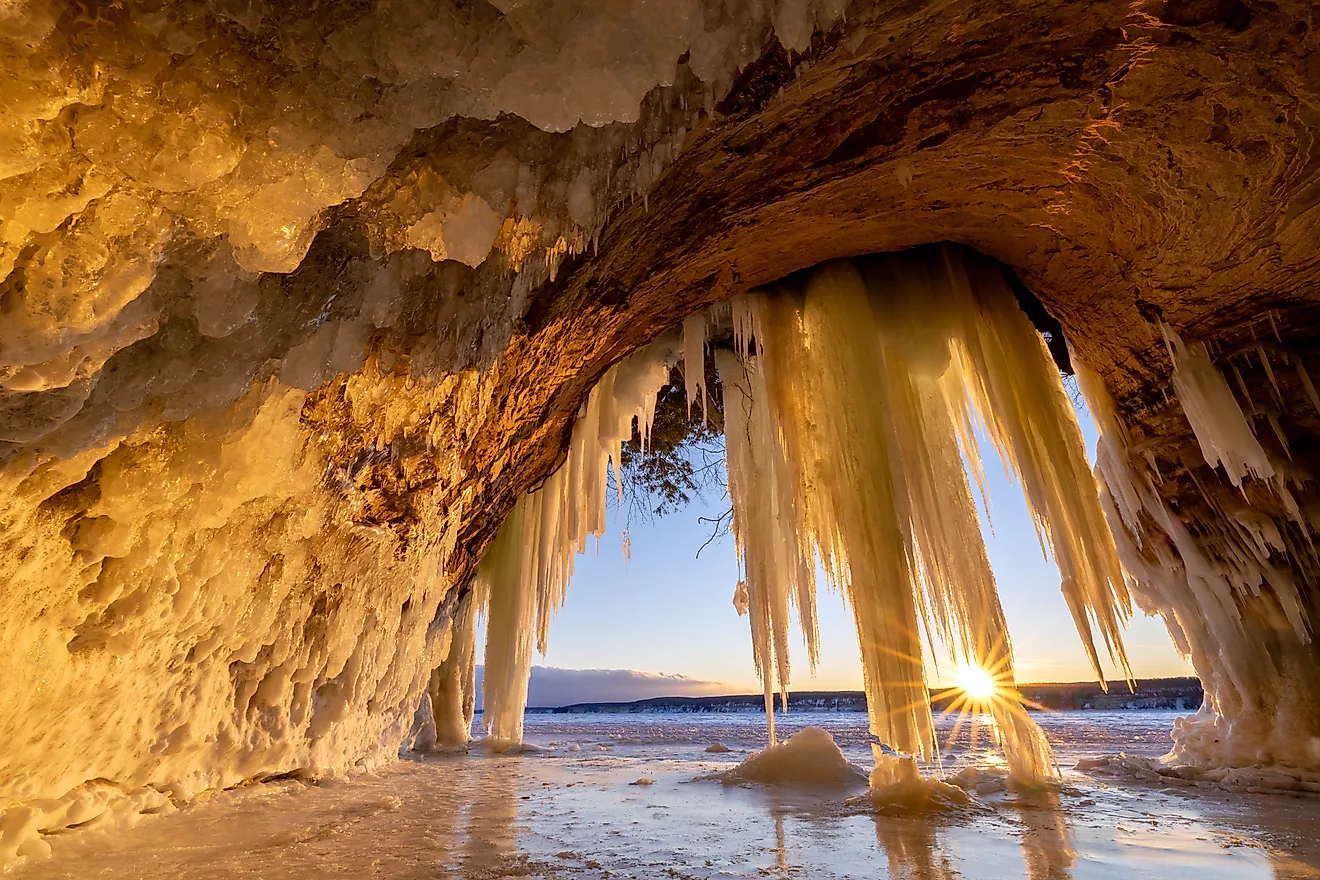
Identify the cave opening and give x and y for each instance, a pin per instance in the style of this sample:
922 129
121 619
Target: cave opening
920 309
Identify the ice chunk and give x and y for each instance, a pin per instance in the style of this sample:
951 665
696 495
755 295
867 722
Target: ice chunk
809 757
898 787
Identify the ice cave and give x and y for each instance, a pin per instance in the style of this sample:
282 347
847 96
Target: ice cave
322 325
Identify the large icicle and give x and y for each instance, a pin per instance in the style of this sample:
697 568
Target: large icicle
868 382
1019 395
507 576
452 687
776 571
819 352
694 362
936 449
528 566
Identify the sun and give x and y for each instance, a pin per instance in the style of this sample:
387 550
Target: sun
977 684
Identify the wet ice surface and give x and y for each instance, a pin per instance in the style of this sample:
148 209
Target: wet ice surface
570 812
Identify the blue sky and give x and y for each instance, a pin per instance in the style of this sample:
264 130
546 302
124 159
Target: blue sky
669 612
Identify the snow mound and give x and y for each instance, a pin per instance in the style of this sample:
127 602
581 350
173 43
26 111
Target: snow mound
643 780
717 747
897 786
809 757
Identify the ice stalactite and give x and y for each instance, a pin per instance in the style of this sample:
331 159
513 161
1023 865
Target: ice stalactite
1220 573
694 361
527 568
1216 418
1019 396
847 433
776 573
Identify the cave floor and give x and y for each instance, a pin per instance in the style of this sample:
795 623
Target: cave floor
558 814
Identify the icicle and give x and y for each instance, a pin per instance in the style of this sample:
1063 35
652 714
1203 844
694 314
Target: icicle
694 362
1306 383
507 576
746 323
822 375
777 572
873 380
1242 386
1269 371
1112 449
1221 429
528 567
1278 433
1014 385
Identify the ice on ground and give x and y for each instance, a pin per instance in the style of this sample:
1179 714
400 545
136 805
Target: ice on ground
1255 780
717 747
809 757
496 745
643 780
982 780
898 786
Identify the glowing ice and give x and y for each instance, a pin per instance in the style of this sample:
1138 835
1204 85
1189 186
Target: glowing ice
847 436
808 757
526 570
1229 602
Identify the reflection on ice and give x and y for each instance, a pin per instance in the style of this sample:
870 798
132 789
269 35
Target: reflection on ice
1047 852
569 811
490 841
912 849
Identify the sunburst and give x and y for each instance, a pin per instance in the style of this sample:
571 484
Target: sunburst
982 689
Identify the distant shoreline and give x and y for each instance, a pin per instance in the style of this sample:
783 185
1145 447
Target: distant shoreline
1152 693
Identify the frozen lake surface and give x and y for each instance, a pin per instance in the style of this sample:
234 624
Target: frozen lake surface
570 811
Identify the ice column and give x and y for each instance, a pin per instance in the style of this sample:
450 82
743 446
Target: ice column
527 568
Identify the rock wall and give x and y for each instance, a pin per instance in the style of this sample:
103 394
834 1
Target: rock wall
295 302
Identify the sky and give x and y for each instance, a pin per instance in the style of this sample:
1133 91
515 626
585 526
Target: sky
668 612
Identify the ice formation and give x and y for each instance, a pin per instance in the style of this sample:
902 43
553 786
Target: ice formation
1218 577
154 153
765 528
849 432
897 784
232 472
526 570
182 676
846 434
808 757
1225 437
259 266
